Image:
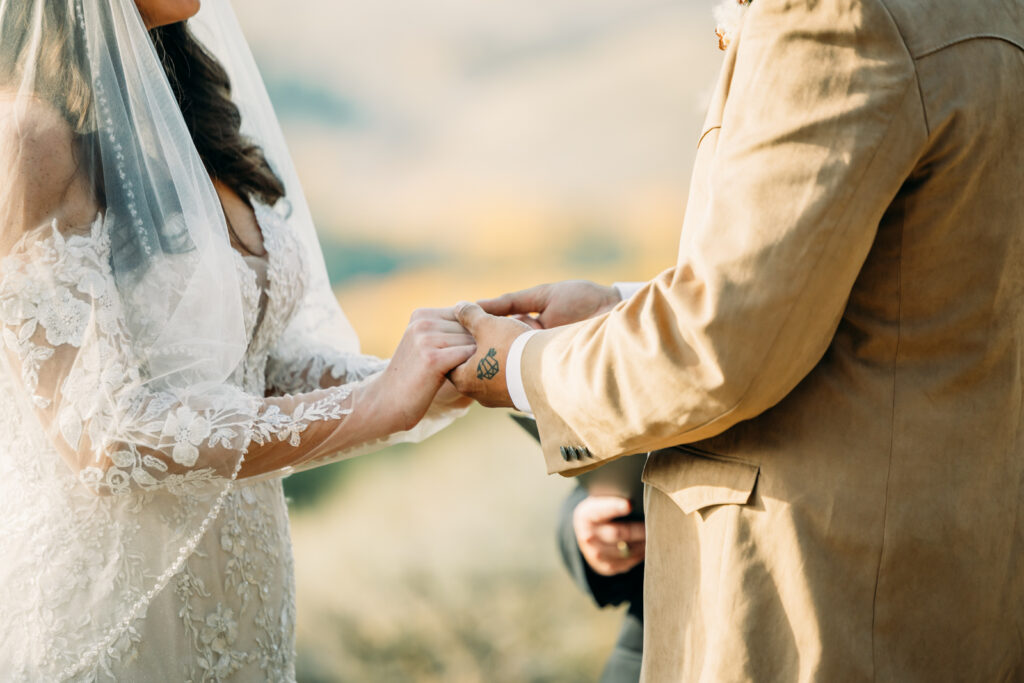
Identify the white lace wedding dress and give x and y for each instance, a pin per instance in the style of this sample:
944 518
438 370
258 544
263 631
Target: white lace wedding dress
228 612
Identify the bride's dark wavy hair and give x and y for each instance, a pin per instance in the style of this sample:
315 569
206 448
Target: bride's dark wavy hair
203 90
58 64
57 61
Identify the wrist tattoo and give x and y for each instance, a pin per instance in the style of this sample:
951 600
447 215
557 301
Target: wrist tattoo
488 366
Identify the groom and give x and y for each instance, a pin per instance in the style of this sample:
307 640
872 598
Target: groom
831 377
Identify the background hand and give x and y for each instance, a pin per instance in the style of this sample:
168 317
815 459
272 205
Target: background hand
603 542
556 304
432 345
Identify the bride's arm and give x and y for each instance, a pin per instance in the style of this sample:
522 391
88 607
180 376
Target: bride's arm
406 400
297 364
300 362
67 345
317 351
68 354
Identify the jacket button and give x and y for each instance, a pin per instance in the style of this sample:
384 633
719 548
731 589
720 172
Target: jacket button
586 452
565 453
577 452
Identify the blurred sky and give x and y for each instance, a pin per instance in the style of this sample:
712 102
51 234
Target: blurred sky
492 141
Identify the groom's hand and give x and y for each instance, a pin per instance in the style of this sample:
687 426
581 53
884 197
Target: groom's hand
482 377
561 303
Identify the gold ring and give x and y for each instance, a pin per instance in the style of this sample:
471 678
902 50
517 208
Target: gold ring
624 550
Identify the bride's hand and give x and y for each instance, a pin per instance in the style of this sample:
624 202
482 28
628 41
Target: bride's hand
450 397
433 344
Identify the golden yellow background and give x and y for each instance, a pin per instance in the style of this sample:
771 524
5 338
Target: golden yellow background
454 150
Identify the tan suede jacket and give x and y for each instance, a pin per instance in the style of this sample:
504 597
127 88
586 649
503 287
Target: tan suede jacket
839 350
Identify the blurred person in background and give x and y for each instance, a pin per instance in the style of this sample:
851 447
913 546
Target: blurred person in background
604 554
171 348
829 379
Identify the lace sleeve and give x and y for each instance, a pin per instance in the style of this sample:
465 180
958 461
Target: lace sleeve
437 418
67 343
298 365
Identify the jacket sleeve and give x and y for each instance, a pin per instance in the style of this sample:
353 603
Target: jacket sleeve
822 124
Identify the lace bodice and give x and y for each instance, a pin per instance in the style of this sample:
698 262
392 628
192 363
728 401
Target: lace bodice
233 602
223 608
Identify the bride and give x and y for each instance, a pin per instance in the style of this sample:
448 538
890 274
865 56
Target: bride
171 348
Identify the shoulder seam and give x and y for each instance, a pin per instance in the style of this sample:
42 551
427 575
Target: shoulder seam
913 63
963 39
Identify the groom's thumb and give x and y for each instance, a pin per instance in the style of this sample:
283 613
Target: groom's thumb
469 315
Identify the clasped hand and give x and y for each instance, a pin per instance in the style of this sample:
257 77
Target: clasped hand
496 323
468 344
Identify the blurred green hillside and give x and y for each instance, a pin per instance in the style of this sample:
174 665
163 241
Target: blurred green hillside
456 150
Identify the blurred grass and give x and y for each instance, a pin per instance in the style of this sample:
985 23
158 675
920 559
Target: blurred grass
308 489
437 562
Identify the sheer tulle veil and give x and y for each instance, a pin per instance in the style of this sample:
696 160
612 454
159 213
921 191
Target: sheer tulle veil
83 557
320 318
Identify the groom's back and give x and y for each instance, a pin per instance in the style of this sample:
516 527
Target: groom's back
944 286
959 219
960 215
886 529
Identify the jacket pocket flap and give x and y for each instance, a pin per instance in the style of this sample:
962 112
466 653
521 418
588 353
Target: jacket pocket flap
696 481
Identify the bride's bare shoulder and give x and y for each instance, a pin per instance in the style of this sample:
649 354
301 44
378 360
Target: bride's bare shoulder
35 140
39 167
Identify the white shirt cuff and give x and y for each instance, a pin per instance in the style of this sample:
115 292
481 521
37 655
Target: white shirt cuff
628 289
514 372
